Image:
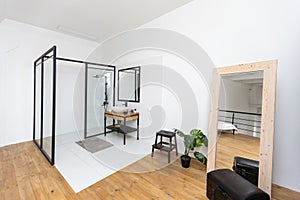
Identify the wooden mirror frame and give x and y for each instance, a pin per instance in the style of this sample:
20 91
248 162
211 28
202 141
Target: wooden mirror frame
269 69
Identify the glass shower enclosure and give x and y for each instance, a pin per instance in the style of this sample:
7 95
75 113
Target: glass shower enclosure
99 96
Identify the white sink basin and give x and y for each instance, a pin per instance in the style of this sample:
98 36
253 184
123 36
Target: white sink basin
120 109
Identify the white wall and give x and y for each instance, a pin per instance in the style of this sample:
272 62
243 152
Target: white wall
234 32
234 96
255 95
167 93
20 45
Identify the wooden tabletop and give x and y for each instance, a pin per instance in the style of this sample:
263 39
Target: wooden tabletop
121 116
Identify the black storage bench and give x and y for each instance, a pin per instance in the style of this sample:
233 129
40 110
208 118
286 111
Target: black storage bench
247 168
224 184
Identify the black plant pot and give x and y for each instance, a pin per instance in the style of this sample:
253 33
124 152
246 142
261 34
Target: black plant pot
185 161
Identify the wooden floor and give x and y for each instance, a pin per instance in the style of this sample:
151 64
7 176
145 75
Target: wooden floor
25 174
230 145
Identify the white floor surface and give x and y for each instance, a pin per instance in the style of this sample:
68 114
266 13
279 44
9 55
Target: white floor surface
81 168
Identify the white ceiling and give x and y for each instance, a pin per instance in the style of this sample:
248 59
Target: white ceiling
246 78
94 19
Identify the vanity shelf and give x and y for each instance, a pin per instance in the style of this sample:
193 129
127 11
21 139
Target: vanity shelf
123 118
121 128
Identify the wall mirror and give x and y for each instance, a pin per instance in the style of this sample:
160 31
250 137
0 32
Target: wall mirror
129 84
242 117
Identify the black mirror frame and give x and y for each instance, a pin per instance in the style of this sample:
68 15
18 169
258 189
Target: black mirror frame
137 84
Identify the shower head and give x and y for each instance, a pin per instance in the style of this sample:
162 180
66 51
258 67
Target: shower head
96 76
99 76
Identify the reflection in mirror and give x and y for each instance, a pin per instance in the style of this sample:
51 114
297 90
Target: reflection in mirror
129 84
239 120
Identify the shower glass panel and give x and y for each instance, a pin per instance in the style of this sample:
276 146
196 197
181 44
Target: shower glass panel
37 116
47 106
99 97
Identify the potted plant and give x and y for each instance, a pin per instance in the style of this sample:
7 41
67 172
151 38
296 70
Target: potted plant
195 138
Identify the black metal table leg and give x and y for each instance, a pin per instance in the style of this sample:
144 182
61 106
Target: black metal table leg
138 128
104 125
124 131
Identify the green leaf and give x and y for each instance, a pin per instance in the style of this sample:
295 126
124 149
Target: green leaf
196 132
198 142
200 157
205 142
188 141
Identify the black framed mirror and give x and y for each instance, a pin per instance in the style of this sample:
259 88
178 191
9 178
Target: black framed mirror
129 84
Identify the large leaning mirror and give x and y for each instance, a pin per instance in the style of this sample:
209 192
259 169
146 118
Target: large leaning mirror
242 117
239 122
129 84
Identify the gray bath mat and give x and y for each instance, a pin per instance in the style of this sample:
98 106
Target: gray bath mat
94 144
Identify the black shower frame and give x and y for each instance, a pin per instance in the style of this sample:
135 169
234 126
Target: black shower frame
55 58
42 59
86 92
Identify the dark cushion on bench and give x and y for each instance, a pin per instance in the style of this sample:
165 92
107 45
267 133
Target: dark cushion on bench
246 168
233 187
